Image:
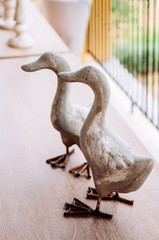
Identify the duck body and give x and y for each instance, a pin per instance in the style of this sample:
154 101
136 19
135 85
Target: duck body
67 118
63 112
114 166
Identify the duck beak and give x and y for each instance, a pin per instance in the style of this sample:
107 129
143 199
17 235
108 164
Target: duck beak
31 67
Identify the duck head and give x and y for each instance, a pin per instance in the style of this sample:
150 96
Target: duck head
88 75
48 60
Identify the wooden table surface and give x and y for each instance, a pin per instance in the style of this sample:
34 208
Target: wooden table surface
32 194
44 36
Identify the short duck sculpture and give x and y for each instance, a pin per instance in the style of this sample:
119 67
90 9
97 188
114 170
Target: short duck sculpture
67 118
114 166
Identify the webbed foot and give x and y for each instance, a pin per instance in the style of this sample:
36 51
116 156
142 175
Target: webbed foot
92 194
59 161
77 171
78 208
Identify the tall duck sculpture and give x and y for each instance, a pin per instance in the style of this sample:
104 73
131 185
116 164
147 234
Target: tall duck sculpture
114 166
67 118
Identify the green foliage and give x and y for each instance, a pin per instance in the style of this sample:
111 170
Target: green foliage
139 58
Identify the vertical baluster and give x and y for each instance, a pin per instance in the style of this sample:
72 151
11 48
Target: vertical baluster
102 25
124 41
147 58
92 29
153 59
157 86
22 38
132 54
95 29
135 50
138 53
109 29
157 80
105 35
100 32
104 42
97 32
128 45
90 32
121 72
8 22
114 68
143 56
158 103
112 36
1 8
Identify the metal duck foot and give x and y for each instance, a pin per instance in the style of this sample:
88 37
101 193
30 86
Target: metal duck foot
92 194
59 161
77 171
78 208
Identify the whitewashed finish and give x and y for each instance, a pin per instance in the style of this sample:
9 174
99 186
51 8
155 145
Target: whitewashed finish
22 39
67 118
114 166
8 10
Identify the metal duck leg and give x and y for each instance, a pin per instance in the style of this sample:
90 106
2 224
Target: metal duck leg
92 194
78 208
60 161
77 171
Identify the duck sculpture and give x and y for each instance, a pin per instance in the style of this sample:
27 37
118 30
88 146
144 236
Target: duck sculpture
115 168
66 118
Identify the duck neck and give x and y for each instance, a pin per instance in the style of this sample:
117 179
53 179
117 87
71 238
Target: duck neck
61 101
97 113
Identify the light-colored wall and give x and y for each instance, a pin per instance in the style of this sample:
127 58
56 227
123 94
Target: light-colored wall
70 20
